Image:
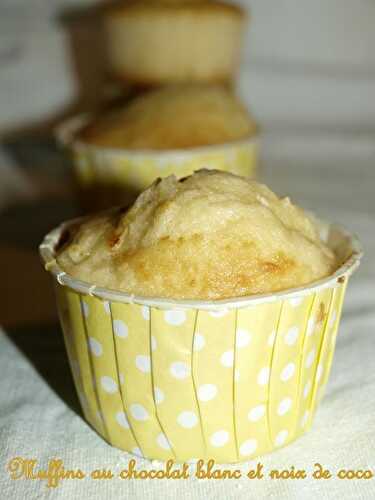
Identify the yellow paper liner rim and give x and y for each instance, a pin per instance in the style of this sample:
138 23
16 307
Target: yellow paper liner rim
66 136
48 255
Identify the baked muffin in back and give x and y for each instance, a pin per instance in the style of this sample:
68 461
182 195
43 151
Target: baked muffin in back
176 117
173 41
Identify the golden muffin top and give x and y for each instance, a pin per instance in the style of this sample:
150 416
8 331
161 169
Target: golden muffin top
212 235
175 117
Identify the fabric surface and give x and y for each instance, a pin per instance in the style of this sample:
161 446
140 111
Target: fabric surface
39 415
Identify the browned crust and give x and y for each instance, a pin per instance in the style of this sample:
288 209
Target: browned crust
241 278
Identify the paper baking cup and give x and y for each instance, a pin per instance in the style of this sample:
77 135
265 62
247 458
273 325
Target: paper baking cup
135 170
225 380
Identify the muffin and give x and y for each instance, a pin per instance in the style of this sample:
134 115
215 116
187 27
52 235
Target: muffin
227 378
174 41
206 227
173 130
173 118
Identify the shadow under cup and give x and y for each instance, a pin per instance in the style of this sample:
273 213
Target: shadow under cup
225 380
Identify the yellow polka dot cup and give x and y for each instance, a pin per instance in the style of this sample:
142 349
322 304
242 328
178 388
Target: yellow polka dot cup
225 380
107 176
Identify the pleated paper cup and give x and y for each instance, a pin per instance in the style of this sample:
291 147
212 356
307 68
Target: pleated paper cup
109 175
225 380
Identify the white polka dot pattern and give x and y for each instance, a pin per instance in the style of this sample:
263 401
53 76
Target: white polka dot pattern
214 373
199 342
281 437
143 363
120 328
292 335
187 419
108 384
227 359
310 358
284 406
207 392
163 442
263 376
175 384
122 420
159 395
139 412
95 347
288 372
175 317
243 338
311 324
248 447
219 438
256 413
179 370
219 313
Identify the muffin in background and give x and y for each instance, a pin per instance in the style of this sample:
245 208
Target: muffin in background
171 130
154 43
177 117
223 236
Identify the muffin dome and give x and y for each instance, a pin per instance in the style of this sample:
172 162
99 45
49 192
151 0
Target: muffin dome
173 118
174 41
212 235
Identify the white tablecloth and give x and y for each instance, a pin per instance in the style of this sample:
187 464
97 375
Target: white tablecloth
335 176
